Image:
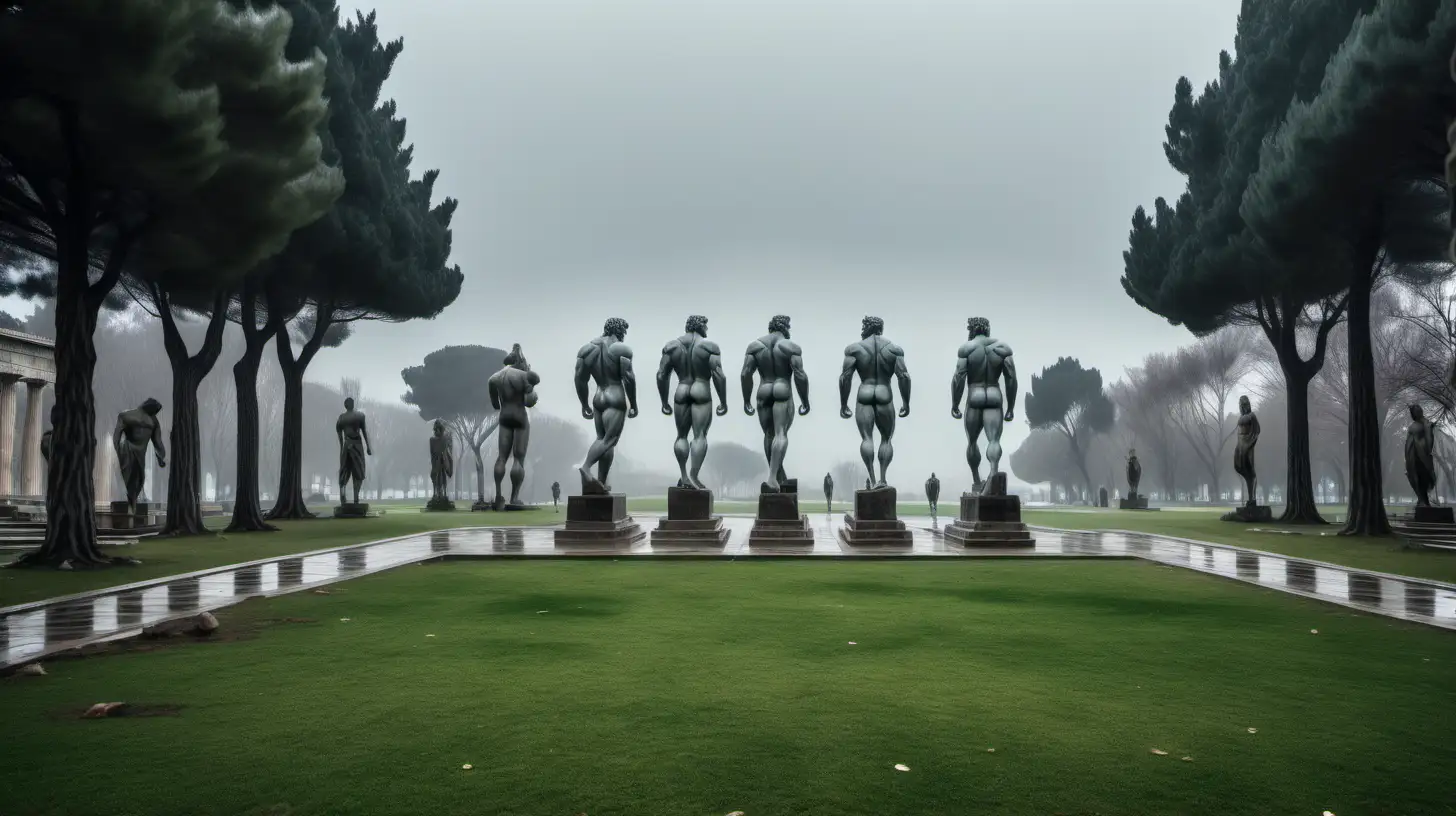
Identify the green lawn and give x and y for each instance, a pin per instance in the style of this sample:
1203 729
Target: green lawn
170 556
679 688
1379 554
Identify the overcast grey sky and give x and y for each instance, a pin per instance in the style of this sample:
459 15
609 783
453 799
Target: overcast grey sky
920 160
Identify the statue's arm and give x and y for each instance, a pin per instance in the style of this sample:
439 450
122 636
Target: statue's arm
157 439
801 378
1254 429
580 378
664 377
958 383
902 374
1008 372
746 376
846 378
118 434
720 379
532 380
629 379
493 385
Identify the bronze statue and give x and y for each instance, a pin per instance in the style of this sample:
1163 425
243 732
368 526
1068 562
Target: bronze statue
1248 429
877 361
1134 473
512 392
932 493
1420 459
135 429
696 361
982 363
354 445
607 362
556 495
442 464
776 360
828 493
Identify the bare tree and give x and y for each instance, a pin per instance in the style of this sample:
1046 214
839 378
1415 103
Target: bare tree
1207 374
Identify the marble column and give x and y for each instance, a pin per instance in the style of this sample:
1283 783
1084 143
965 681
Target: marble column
105 468
32 467
7 433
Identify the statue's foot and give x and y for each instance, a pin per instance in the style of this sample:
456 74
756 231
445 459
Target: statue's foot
882 483
686 484
770 486
589 484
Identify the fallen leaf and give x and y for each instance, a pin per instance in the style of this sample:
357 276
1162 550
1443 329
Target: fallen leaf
429 635
32 670
852 643
1160 752
1314 631
1328 813
902 767
343 620
322 592
543 611
1253 730
734 813
1187 759
990 750
467 766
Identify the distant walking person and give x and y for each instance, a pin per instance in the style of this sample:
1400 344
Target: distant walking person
556 496
932 493
828 493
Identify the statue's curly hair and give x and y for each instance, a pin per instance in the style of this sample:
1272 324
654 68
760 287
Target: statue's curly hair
151 406
978 325
439 425
872 325
616 327
697 324
779 323
516 358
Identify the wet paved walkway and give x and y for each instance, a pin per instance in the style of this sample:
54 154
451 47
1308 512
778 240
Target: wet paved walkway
33 630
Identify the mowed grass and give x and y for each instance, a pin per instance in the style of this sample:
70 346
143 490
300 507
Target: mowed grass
1381 554
171 556
637 689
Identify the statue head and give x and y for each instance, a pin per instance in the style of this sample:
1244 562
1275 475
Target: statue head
1132 453
516 359
348 403
151 406
932 474
615 327
871 326
1416 411
697 324
1244 406
439 428
780 324
978 327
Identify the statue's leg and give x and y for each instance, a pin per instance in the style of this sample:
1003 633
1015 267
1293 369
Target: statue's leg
766 423
504 442
597 450
973 453
864 420
783 411
518 462
991 420
682 416
885 423
702 419
613 419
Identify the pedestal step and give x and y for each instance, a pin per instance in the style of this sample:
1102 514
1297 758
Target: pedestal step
781 533
599 521
691 532
1434 515
874 533
351 510
1246 512
989 521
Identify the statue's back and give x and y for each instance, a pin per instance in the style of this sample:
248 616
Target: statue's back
985 360
775 362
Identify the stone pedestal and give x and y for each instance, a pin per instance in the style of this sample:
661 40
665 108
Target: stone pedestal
144 520
351 510
778 522
690 520
481 506
874 522
989 521
1250 513
439 504
1134 501
599 521
1434 515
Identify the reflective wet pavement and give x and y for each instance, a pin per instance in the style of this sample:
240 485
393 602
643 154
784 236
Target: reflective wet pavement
32 630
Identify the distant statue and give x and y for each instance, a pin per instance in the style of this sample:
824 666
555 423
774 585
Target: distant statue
877 361
932 493
135 429
607 362
1248 428
512 391
1420 456
556 496
982 363
697 362
442 463
828 493
354 445
45 438
1134 472
776 360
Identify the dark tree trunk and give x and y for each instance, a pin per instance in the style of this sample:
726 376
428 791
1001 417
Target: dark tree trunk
290 503
70 536
184 488
479 473
247 509
1366 511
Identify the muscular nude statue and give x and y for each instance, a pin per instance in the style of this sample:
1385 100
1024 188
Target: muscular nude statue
512 391
876 360
442 462
1248 425
1420 456
981 364
775 359
607 362
135 429
354 445
696 361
